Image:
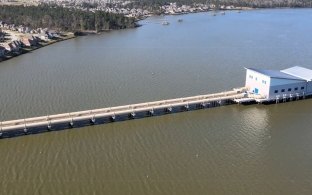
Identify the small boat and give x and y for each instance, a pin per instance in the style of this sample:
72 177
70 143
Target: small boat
180 20
222 13
165 23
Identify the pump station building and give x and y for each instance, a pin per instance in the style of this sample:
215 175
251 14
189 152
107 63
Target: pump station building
274 84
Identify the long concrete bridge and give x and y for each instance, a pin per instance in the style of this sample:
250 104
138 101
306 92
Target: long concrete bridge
104 115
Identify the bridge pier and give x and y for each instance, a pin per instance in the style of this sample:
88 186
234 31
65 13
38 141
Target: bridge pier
150 112
186 107
92 120
25 127
112 118
71 123
49 127
1 133
168 110
202 105
25 131
131 115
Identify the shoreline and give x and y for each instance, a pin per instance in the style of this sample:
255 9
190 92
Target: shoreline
66 36
41 44
217 10
71 35
194 12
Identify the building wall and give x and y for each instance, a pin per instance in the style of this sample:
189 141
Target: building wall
267 86
257 83
309 87
287 87
277 81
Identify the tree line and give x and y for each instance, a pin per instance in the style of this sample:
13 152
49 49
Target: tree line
64 19
154 4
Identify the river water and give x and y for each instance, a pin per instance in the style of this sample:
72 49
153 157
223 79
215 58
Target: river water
235 149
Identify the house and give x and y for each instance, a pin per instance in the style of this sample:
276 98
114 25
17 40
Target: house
14 48
7 47
27 29
274 84
34 40
17 44
21 29
30 41
2 51
44 37
26 42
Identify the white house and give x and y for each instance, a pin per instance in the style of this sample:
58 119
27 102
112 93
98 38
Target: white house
272 84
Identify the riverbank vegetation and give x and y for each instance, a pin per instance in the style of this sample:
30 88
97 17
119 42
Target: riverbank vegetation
64 19
154 5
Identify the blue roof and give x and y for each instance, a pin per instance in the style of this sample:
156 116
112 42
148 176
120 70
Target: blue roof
275 74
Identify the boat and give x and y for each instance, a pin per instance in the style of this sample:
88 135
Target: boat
222 13
180 20
165 23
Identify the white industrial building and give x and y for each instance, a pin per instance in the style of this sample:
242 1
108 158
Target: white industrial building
269 85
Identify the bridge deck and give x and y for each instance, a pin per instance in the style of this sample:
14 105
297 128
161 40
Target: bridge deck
120 110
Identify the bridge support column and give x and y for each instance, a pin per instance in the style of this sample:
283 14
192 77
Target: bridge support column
186 107
112 118
71 123
132 115
284 98
49 127
168 110
25 127
1 133
92 120
150 112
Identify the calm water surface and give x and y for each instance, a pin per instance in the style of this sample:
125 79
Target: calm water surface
229 150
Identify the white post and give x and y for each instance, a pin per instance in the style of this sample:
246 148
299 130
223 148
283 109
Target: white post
25 126
1 129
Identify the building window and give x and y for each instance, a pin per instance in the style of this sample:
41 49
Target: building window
276 91
289 89
302 87
250 76
296 88
256 78
263 82
283 90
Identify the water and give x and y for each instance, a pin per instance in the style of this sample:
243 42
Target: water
235 149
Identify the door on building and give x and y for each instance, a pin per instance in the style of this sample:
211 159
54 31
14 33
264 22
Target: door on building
256 90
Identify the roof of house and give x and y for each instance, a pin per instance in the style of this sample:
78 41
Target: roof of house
276 74
300 72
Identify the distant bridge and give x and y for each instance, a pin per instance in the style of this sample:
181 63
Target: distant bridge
105 115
